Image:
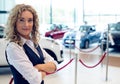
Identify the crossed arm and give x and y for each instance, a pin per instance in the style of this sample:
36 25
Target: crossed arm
48 67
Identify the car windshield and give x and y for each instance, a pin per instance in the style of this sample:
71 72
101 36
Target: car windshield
58 26
115 27
84 28
52 27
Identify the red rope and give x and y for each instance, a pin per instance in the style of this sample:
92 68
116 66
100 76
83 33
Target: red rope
95 64
89 50
62 67
11 80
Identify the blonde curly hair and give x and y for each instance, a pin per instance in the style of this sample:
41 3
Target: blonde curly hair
11 31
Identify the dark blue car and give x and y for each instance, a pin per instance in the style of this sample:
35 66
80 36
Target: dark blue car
86 35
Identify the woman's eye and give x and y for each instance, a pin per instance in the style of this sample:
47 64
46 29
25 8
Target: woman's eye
30 20
21 20
24 21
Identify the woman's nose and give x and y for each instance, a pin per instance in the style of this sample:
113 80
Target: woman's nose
26 23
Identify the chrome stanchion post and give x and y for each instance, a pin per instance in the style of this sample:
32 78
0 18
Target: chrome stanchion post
76 58
77 44
70 46
107 57
101 51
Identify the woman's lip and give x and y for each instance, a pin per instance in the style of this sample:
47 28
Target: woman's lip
25 28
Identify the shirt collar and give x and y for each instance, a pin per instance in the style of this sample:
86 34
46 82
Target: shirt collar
28 42
23 40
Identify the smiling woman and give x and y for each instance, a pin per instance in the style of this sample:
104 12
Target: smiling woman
24 53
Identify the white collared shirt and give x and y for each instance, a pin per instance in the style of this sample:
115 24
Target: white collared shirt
21 62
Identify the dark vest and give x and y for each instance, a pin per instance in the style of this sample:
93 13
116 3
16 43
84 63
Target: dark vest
18 79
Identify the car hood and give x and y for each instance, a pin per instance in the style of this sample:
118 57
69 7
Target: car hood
115 34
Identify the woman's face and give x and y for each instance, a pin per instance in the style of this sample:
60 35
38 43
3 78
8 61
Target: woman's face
24 24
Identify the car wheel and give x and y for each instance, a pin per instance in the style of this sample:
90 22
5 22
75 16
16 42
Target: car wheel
50 36
86 44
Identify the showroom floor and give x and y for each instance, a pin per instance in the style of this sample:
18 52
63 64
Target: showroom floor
96 75
84 75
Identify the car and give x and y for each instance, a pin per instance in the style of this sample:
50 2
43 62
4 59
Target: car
54 49
113 34
84 36
2 27
56 31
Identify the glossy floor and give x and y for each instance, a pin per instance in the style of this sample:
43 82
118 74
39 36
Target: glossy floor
76 73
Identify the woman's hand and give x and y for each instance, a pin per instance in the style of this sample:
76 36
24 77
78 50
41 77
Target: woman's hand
43 74
47 67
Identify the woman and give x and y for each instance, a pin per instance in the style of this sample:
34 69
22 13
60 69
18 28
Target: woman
29 63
